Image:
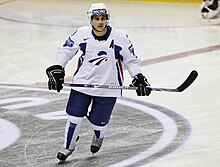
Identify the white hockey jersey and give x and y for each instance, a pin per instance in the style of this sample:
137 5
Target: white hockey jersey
101 62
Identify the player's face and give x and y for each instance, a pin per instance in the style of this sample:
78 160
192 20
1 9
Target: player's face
99 23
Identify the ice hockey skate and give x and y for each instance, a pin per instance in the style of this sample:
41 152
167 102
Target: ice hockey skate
96 144
63 155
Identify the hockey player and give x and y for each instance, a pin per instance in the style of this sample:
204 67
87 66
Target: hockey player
210 9
106 51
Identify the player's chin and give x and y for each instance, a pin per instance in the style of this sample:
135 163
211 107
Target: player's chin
100 28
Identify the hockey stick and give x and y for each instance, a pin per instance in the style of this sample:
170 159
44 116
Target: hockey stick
189 80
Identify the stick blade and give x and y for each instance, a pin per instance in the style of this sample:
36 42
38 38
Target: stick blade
191 78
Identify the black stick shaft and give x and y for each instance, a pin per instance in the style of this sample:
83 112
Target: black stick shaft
190 79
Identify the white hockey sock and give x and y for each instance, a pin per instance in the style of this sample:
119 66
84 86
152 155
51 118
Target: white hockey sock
72 130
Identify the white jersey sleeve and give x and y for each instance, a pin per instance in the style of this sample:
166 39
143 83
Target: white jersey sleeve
131 61
68 50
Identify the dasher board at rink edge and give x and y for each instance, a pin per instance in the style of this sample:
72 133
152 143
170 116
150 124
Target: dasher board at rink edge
154 131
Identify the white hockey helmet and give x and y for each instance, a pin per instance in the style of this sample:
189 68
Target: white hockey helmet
98 9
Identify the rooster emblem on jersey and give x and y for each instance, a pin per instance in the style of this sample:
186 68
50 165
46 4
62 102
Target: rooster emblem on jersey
102 56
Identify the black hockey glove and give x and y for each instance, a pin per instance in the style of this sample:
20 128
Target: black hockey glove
143 86
56 75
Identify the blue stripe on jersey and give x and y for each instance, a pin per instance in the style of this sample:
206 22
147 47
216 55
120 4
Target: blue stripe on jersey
70 133
83 47
95 59
119 74
108 31
117 50
81 59
119 57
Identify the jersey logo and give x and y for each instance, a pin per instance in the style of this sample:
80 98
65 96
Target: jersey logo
102 56
131 50
85 39
102 53
69 42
